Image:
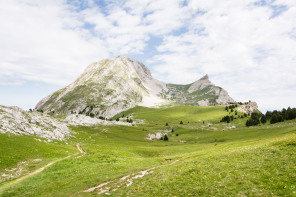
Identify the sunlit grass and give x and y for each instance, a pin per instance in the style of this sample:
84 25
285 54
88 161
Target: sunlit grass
214 158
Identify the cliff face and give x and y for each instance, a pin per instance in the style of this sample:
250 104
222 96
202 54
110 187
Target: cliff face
110 86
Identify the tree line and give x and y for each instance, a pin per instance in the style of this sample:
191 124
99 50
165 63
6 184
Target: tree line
272 116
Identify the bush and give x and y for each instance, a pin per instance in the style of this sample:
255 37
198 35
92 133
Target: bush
254 119
117 119
166 124
181 122
226 119
165 138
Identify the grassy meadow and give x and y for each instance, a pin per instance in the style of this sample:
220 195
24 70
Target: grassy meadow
203 157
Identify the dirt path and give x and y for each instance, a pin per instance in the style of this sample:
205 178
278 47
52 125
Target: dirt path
126 181
3 187
80 149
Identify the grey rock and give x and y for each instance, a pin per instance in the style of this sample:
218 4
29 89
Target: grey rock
111 86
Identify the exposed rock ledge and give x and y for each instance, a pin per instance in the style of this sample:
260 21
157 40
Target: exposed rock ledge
248 108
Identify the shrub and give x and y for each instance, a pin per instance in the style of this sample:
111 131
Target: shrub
226 119
181 122
165 138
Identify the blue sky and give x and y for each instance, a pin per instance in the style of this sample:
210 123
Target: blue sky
245 46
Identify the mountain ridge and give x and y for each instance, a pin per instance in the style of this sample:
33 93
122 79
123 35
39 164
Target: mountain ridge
110 86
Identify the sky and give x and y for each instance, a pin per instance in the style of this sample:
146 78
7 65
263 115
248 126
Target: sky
248 47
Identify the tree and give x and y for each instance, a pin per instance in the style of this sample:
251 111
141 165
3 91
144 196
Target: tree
255 116
166 124
117 119
226 119
254 119
274 119
280 118
248 123
172 130
268 115
165 138
181 122
263 119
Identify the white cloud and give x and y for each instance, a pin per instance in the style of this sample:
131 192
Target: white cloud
42 40
241 44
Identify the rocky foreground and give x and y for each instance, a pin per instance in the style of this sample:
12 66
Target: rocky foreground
16 121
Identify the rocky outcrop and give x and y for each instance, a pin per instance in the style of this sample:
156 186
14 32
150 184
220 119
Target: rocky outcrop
111 86
248 108
200 84
16 121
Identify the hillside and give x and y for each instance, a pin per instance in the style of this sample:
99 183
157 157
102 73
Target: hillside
114 85
202 157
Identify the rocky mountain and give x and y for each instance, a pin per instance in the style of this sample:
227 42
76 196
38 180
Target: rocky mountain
110 86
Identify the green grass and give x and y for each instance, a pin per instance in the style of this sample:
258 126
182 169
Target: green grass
214 160
15 148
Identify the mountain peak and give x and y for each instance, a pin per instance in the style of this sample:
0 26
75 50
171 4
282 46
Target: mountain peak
206 77
200 84
114 85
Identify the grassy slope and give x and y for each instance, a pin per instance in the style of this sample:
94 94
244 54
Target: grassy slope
214 160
